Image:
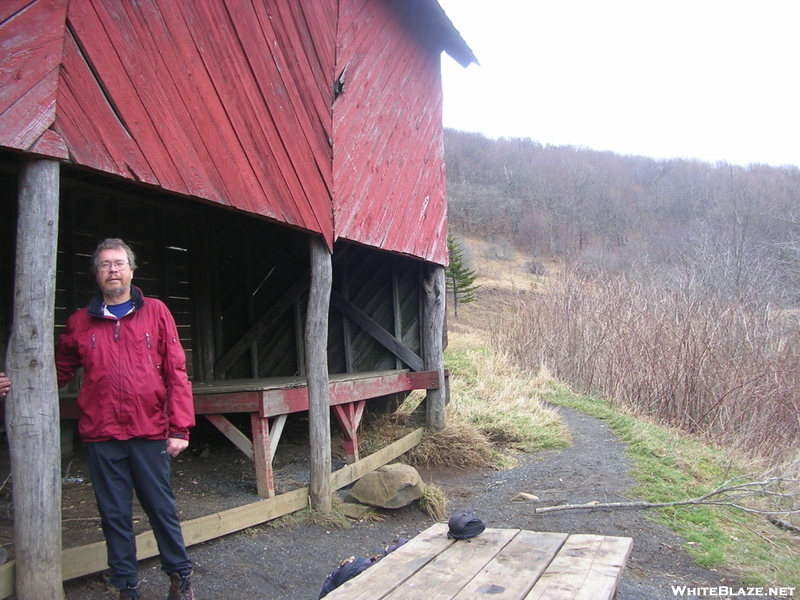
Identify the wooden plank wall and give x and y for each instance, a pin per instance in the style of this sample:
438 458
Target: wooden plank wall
161 237
31 40
388 160
219 272
224 100
386 288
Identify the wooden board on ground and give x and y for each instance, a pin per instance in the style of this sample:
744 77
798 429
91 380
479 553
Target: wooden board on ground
503 564
587 568
518 565
454 568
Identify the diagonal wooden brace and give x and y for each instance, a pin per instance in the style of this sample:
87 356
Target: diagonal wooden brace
261 450
349 417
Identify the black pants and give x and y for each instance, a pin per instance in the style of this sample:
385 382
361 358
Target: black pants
117 468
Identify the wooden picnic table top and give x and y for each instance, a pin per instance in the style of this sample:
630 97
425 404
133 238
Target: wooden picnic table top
501 564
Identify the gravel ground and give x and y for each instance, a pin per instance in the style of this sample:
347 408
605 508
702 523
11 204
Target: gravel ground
291 564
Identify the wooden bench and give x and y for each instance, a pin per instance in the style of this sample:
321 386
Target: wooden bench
277 397
501 564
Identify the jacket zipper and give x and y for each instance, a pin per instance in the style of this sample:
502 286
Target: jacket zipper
149 356
116 331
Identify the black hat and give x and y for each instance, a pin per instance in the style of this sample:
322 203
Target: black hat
464 526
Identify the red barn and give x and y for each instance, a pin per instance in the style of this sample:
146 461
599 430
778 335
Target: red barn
228 141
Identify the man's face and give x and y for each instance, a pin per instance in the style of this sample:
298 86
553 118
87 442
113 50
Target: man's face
114 275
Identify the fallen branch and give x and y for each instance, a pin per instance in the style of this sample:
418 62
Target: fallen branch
726 495
784 525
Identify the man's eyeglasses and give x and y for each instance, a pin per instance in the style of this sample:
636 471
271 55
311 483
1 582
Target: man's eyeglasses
106 265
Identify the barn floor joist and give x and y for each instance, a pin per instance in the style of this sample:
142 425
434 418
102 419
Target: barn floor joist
91 558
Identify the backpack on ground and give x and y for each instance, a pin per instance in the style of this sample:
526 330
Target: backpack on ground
353 566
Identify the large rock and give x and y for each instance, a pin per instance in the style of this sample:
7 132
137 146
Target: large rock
391 486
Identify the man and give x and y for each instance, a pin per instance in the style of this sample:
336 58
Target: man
136 410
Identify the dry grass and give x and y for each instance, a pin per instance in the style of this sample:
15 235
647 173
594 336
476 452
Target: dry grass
493 411
458 445
501 402
434 502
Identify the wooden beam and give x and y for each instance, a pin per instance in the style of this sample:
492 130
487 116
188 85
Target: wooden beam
230 431
259 327
203 302
396 304
273 399
275 433
349 417
32 405
265 483
275 396
350 473
316 344
91 558
347 334
363 320
433 331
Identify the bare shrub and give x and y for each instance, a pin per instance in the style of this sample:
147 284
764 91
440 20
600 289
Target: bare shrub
673 348
536 267
498 250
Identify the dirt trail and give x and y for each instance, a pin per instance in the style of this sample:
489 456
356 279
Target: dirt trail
291 564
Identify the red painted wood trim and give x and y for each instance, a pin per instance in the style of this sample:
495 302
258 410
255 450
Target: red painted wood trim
265 481
284 400
50 144
278 402
235 402
230 431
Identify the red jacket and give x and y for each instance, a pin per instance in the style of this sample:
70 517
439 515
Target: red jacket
134 379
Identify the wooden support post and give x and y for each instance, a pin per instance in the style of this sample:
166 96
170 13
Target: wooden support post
433 330
262 456
32 405
316 343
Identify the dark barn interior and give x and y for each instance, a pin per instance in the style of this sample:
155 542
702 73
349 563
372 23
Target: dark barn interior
236 285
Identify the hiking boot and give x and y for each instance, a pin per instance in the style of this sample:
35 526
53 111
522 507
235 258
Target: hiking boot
180 587
131 593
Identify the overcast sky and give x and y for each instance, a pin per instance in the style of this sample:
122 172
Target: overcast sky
716 80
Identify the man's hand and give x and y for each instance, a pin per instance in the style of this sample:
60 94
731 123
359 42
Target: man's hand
5 385
175 446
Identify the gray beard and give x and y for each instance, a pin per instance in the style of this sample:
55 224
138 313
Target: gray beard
115 292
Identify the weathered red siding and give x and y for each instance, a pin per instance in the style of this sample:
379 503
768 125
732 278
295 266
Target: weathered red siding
221 99
389 188
31 37
232 101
